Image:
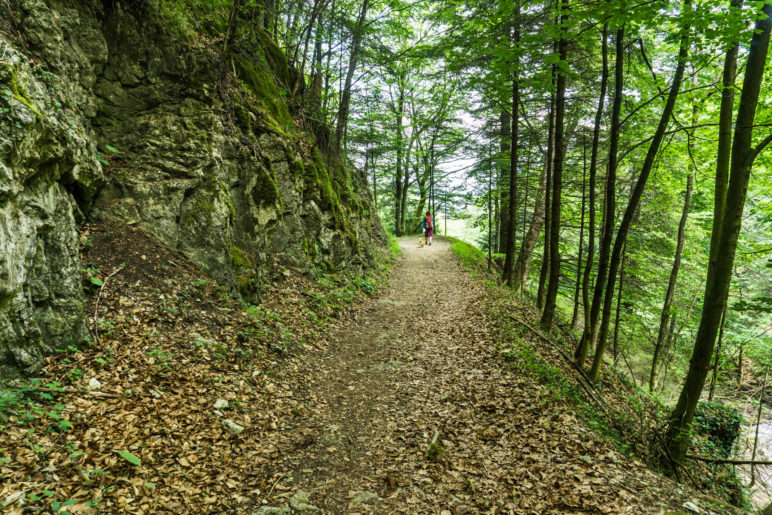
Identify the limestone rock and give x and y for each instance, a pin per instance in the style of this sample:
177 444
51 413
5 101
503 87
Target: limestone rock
221 404
365 498
299 503
272 510
232 427
691 507
185 176
94 384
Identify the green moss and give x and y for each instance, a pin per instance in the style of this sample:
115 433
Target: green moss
227 195
18 93
266 190
239 259
275 57
264 96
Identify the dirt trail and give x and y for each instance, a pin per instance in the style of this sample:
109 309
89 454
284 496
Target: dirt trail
416 365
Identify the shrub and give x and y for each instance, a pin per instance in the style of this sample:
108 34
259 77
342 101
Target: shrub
719 425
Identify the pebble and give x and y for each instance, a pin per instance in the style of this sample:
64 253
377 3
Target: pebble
94 384
220 404
690 506
231 426
299 503
272 510
365 498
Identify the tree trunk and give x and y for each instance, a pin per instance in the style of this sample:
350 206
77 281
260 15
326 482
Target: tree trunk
398 175
531 236
593 175
665 316
589 334
717 285
230 35
619 305
356 43
714 378
545 262
637 193
503 183
575 315
511 216
557 177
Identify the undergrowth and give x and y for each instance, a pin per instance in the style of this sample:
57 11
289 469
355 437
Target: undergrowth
629 418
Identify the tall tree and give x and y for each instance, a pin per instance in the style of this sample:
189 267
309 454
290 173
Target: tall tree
557 168
665 316
720 273
345 98
589 334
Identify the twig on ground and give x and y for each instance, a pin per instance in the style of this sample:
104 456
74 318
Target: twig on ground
268 495
730 461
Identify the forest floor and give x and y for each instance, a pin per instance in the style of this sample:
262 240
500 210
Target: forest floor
411 410
401 404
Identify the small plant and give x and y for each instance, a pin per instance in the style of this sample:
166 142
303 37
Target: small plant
130 457
435 452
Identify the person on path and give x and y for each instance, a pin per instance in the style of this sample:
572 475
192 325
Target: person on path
428 226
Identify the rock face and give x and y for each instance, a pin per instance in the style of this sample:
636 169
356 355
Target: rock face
103 114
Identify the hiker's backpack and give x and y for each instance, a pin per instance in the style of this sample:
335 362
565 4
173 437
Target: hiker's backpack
429 222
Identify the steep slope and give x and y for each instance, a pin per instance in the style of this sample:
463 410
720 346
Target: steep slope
107 114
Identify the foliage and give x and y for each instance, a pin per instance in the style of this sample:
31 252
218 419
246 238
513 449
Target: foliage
719 426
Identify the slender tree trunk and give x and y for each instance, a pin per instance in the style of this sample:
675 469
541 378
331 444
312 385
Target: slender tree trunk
593 175
637 193
490 211
532 235
717 359
230 35
545 262
619 304
511 216
503 183
665 316
356 43
398 174
589 334
575 315
724 150
758 423
557 177
717 285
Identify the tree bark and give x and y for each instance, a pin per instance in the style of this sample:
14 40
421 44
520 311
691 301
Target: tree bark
593 175
637 193
356 44
531 236
665 315
717 285
619 304
609 206
557 174
545 262
575 314
398 174
503 182
509 260
718 356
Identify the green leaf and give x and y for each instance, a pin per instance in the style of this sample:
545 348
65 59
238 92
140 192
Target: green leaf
111 149
101 159
131 458
97 281
48 493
